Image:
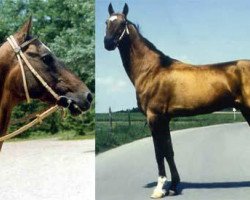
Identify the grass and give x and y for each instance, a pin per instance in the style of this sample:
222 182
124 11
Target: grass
123 133
71 135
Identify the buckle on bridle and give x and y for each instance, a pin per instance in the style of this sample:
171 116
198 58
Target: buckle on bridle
17 49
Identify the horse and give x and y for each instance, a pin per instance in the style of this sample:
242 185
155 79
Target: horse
167 88
56 85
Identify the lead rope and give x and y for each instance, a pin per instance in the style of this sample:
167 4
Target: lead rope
38 120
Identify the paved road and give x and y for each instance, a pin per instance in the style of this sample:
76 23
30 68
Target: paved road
48 170
213 162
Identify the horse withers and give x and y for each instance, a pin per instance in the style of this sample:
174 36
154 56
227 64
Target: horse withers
73 93
166 88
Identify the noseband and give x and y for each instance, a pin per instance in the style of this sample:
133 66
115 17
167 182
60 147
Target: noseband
20 55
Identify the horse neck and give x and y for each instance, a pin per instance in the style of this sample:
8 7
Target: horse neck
6 57
6 101
136 56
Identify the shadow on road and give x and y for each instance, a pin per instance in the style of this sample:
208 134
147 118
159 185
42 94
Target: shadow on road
213 185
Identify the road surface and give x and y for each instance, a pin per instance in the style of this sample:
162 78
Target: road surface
213 162
47 170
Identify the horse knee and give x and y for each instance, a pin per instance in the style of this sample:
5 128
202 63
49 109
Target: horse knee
1 145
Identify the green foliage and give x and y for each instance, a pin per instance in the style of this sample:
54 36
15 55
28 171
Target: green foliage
67 27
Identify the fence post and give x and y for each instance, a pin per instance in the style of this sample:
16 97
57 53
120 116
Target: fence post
234 110
110 119
129 118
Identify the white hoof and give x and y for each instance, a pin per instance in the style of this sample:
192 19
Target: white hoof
159 192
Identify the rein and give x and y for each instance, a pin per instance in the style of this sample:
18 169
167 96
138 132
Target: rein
20 56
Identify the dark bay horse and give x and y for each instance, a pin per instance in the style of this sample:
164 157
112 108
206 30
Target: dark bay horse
75 94
167 88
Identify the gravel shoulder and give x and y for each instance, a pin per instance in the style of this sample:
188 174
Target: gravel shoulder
48 170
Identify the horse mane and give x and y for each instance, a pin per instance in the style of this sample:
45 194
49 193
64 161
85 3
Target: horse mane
165 60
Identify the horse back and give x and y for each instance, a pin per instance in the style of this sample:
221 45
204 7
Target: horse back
184 89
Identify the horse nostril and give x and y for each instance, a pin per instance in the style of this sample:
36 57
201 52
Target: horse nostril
89 97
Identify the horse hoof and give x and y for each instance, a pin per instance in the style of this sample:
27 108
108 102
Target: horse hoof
157 194
173 190
172 193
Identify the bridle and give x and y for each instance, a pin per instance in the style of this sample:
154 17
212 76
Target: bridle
123 32
61 100
20 55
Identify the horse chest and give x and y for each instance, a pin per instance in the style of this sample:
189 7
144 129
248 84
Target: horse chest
152 100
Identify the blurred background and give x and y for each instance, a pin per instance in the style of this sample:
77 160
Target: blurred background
67 28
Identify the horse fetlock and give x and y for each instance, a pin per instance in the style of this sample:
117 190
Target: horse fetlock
159 191
173 189
175 178
171 192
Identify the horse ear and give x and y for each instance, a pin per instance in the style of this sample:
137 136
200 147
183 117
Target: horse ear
22 34
125 10
111 10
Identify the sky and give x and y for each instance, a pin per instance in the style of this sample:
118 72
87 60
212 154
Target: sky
193 31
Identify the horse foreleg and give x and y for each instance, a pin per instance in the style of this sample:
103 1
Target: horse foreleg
159 154
169 154
159 126
5 113
166 145
4 122
246 114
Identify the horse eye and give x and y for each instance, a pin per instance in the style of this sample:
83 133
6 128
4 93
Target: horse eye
47 59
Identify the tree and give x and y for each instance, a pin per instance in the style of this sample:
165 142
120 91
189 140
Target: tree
67 27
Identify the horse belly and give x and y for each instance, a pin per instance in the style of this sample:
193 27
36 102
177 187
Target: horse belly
199 100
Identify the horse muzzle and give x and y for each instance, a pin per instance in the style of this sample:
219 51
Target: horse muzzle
76 105
110 43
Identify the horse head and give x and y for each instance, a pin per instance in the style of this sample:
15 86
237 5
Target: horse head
116 27
73 93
